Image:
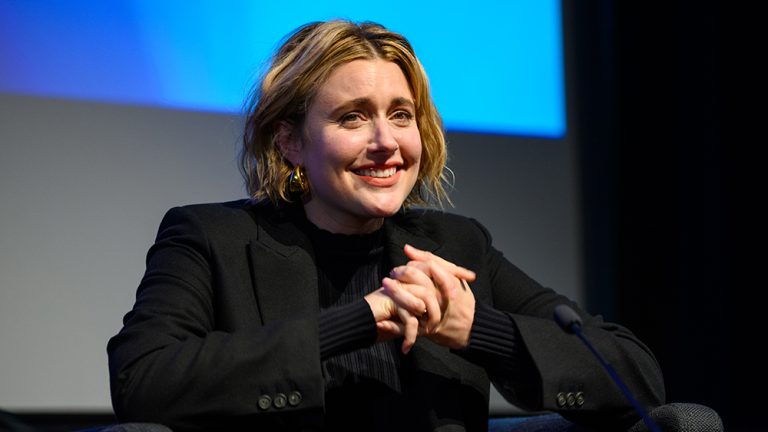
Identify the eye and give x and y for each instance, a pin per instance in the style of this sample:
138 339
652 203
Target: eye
402 117
351 120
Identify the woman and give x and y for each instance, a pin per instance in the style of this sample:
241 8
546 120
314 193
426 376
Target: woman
328 301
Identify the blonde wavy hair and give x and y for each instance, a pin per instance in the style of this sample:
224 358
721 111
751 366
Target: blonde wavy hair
298 69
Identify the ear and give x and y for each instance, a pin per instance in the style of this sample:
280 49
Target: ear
288 141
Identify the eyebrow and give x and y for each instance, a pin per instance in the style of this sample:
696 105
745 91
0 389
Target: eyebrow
358 103
403 101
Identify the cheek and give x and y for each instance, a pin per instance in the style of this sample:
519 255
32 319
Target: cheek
411 146
348 145
330 152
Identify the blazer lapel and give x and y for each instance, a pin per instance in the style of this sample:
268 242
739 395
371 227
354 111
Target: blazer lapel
284 274
398 236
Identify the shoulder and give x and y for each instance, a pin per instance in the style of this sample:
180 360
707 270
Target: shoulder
218 212
218 219
213 210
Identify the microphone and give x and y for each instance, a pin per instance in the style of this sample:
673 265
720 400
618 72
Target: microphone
570 322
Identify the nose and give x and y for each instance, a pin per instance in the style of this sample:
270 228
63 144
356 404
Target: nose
383 138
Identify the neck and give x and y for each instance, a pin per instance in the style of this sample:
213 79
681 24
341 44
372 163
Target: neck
343 226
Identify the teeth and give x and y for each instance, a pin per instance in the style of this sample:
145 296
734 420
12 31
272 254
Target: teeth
380 173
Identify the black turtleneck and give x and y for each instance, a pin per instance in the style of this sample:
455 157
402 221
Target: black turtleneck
349 268
352 266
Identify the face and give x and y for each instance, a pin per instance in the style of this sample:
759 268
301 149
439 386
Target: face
360 146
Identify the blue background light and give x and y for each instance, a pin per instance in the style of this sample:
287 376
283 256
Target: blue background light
495 66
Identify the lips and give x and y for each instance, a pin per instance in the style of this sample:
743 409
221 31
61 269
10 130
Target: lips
376 172
379 176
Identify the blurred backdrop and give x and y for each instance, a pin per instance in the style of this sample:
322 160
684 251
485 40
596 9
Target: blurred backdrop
586 136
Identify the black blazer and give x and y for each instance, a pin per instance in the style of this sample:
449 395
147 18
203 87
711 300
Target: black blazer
224 329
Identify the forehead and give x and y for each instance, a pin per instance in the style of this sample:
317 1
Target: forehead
365 78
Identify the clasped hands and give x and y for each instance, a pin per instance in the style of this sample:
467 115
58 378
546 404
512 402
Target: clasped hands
428 297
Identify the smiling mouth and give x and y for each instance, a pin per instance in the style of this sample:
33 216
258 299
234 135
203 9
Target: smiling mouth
376 173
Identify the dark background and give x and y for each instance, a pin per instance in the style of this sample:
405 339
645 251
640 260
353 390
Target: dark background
669 236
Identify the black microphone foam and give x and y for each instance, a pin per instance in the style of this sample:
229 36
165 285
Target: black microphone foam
567 318
570 322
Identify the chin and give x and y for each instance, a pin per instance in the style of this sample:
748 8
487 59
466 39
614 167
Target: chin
384 209
382 213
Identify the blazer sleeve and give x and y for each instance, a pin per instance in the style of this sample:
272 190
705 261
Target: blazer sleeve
174 363
566 377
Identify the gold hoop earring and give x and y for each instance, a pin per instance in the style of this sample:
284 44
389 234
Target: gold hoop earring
297 182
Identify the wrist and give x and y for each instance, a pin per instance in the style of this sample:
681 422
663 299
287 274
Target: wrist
382 307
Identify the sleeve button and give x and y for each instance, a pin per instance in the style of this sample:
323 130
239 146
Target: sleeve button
280 400
570 399
560 399
265 402
579 399
294 398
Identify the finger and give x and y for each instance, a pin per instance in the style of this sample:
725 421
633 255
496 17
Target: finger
390 328
421 286
410 331
444 281
420 301
403 296
465 284
422 255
